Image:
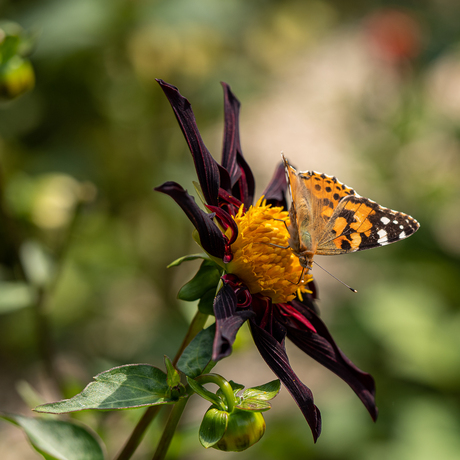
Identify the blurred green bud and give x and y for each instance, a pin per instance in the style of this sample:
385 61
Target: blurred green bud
16 77
231 432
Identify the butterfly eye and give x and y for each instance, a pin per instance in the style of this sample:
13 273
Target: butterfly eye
305 263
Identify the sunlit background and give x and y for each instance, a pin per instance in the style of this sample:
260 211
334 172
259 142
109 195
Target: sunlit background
367 91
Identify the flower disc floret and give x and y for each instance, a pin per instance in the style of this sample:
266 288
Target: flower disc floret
261 256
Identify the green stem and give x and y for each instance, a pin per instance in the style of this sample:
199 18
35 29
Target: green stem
138 433
170 429
226 388
197 324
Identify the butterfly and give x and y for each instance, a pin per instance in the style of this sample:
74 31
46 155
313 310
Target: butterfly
329 218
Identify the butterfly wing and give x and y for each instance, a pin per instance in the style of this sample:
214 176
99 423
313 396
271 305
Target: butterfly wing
315 196
325 193
358 223
328 217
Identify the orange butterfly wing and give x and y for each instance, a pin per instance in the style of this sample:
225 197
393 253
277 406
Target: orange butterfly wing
329 218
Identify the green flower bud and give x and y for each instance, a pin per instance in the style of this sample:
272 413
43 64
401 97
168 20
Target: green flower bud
244 429
16 77
231 432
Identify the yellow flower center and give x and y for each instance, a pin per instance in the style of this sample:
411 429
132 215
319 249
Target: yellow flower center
258 261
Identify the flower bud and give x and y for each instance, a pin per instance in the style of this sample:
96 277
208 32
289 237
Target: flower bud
16 77
243 429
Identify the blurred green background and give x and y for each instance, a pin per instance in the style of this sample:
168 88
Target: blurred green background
367 91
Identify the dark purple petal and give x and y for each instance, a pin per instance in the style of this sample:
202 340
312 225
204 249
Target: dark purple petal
207 169
274 354
275 193
242 179
227 221
322 348
244 189
211 237
231 134
228 321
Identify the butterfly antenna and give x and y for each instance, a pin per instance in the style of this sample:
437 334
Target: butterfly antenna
340 281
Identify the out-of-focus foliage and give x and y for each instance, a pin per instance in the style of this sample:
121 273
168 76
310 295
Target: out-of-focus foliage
367 92
16 72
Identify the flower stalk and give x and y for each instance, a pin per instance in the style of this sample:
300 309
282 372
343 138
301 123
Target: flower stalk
170 429
223 385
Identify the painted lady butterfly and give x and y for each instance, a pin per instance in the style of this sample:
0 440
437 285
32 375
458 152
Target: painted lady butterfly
328 218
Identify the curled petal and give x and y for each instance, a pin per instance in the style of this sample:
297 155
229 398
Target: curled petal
208 171
322 348
229 202
231 134
244 189
242 179
227 221
211 237
228 321
275 193
294 318
274 354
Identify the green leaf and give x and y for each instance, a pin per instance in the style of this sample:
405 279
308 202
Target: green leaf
213 427
205 394
176 389
198 354
253 405
206 278
263 392
58 439
177 262
15 295
206 303
173 377
123 387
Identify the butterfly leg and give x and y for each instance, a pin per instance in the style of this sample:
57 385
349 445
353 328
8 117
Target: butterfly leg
284 222
277 245
301 276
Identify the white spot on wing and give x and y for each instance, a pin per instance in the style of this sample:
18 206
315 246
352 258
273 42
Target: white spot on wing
383 236
402 235
384 220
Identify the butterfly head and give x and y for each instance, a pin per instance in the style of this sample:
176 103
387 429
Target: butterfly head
305 262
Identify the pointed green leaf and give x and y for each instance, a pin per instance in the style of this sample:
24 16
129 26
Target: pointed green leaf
176 389
263 392
59 439
254 405
205 394
173 377
123 387
15 295
178 261
213 427
198 354
206 278
206 303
